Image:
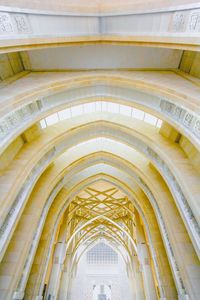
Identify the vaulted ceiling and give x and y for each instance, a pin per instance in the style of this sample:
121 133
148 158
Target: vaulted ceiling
97 6
99 138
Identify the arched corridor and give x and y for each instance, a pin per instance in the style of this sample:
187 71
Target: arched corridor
99 150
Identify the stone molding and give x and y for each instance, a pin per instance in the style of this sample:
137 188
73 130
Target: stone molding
17 121
181 201
14 211
31 26
160 220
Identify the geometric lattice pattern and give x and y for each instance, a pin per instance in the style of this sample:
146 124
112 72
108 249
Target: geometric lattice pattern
102 254
102 213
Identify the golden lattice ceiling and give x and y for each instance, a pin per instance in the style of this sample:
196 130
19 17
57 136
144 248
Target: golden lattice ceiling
101 211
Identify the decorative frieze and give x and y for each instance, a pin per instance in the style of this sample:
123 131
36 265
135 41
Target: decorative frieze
6 26
179 21
197 128
182 116
185 208
185 21
164 234
17 118
14 24
194 22
15 121
22 23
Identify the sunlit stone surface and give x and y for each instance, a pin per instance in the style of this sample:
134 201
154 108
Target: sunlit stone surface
99 150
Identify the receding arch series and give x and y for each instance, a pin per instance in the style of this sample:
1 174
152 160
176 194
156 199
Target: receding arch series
69 173
167 104
101 171
107 129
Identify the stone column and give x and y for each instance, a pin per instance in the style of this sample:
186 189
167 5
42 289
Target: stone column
56 271
58 261
65 278
145 265
137 278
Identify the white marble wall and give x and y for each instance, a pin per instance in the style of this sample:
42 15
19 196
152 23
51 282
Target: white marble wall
185 22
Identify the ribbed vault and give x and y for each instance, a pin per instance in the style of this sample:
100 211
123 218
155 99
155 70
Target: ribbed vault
99 147
103 212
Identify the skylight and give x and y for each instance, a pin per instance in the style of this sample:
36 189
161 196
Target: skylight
52 119
101 106
64 114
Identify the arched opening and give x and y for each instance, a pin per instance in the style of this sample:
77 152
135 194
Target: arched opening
99 150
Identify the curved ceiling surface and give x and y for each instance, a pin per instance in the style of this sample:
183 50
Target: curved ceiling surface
97 6
99 150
